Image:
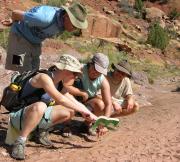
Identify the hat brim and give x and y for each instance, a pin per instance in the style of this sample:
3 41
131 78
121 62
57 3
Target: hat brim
61 66
100 69
74 21
122 69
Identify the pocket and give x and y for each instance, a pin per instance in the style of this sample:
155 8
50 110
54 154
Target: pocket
18 59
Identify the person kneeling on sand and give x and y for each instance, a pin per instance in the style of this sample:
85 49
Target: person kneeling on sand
123 102
39 114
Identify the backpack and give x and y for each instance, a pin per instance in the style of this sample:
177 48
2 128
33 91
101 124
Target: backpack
12 99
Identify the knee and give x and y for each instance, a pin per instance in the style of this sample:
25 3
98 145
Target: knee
39 107
72 113
100 105
68 115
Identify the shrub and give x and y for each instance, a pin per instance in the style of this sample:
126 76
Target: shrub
64 36
38 1
4 38
126 7
56 3
139 6
157 36
174 14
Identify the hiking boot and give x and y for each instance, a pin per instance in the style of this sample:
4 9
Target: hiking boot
43 138
18 150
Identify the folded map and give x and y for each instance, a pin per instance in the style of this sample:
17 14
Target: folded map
105 121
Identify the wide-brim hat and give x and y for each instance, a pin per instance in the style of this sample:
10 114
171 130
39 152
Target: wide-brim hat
77 14
68 62
124 67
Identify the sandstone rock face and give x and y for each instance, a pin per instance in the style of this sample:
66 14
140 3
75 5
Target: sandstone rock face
174 4
101 26
154 14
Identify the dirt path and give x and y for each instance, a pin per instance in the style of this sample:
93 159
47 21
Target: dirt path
152 134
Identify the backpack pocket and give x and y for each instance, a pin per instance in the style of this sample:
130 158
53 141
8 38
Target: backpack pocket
10 100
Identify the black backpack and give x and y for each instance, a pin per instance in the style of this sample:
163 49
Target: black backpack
11 98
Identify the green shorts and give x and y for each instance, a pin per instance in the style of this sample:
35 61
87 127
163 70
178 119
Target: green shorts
45 122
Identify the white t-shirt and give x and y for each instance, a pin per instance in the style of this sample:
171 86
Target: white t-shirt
122 89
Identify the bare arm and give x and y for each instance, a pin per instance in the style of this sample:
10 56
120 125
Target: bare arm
68 85
44 81
106 97
17 15
80 104
129 102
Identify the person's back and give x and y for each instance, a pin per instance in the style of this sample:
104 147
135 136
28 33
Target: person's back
39 23
30 28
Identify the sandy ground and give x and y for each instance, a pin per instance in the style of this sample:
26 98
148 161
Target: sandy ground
151 135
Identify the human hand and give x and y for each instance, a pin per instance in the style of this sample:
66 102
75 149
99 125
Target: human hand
117 107
101 130
85 96
130 104
89 117
7 22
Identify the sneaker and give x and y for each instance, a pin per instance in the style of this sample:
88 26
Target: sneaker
43 138
18 150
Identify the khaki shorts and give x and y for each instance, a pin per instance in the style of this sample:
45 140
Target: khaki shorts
45 122
22 55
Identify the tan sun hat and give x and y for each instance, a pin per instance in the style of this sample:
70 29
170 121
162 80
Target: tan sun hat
124 67
77 14
68 62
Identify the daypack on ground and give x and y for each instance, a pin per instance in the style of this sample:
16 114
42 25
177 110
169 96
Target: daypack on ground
11 98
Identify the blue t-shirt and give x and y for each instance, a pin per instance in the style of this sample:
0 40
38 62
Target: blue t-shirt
39 23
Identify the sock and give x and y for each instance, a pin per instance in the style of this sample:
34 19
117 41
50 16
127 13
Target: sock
23 139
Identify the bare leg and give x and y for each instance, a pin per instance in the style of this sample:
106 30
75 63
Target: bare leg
61 114
32 117
98 106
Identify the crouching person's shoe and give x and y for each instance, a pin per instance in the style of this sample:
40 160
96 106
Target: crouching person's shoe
18 150
43 138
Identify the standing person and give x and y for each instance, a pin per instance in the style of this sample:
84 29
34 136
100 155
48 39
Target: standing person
91 81
38 114
121 90
32 27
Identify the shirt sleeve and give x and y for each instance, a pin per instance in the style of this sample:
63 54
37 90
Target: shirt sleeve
127 87
39 16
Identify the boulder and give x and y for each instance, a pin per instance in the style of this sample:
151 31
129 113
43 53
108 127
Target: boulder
154 14
140 78
101 26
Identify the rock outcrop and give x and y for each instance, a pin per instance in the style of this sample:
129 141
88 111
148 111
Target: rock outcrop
101 26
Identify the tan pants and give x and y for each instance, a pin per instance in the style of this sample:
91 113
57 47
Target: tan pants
22 55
